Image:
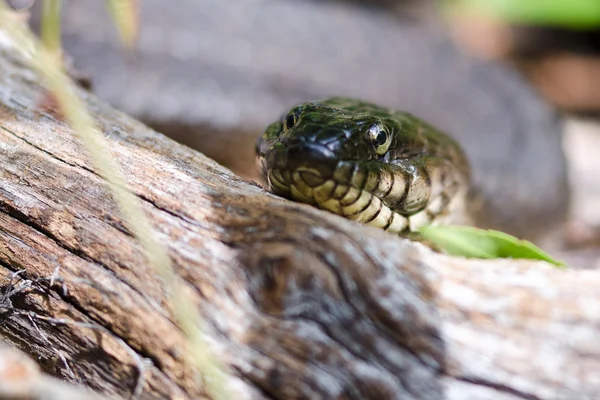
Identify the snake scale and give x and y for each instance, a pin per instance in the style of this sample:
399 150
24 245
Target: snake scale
369 164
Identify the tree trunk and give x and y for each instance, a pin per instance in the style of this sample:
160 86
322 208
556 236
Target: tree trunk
296 302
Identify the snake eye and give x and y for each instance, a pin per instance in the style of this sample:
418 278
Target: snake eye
289 122
379 138
292 118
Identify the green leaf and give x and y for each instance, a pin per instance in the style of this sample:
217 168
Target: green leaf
479 243
569 13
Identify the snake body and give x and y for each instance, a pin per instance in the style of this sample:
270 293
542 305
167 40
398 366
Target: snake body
370 164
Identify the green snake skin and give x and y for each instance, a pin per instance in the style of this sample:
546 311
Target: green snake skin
369 164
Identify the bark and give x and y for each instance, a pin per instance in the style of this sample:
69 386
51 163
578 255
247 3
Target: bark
296 303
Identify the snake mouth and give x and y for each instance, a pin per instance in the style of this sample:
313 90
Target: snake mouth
365 191
343 192
311 173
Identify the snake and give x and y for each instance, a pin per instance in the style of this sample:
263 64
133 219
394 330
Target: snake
367 163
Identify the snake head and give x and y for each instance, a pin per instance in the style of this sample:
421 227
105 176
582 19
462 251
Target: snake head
317 135
353 158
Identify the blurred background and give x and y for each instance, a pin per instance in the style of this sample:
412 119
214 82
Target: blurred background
515 82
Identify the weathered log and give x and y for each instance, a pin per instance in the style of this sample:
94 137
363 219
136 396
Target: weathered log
297 303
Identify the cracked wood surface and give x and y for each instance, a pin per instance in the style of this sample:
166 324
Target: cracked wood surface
297 303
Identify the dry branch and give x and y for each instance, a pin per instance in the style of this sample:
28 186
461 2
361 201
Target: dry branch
296 302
